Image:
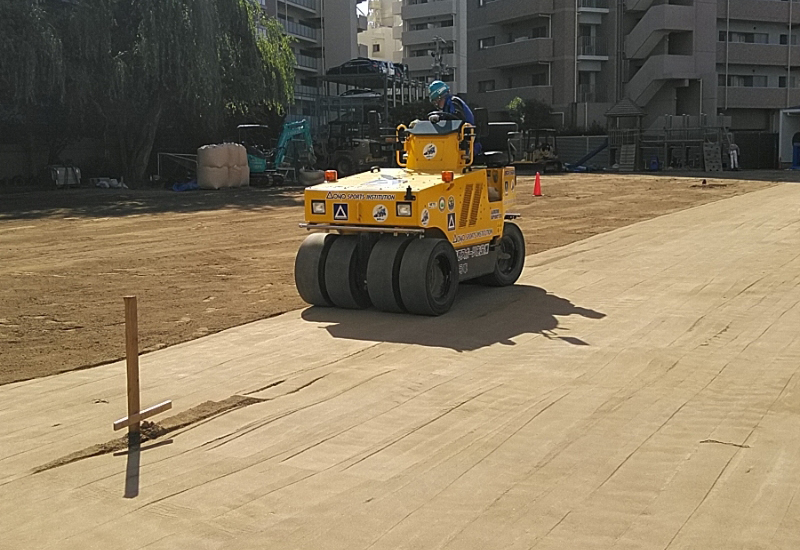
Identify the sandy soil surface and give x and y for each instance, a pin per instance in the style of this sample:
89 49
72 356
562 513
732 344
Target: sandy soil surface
201 262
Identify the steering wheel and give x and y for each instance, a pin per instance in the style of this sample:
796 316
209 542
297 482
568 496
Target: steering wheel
436 116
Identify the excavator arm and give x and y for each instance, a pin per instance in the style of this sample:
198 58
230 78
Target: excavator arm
290 131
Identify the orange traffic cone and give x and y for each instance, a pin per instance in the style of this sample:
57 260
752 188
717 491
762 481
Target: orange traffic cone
537 186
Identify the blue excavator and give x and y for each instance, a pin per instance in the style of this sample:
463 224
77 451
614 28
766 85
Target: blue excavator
290 160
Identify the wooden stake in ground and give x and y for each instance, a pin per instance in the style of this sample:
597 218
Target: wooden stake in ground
135 416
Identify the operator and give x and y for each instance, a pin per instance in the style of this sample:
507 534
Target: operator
440 95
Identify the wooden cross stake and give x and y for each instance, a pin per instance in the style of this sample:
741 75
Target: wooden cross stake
135 416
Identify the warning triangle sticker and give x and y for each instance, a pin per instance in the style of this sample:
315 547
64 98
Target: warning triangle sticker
340 211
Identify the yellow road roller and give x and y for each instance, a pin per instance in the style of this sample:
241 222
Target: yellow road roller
402 239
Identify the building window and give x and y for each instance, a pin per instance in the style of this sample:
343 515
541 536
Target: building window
485 86
782 82
484 43
743 81
745 37
376 48
418 26
785 39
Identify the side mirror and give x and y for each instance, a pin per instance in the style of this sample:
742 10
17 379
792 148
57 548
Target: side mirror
482 121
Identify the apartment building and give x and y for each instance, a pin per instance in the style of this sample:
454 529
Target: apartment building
382 38
695 57
434 37
325 36
758 61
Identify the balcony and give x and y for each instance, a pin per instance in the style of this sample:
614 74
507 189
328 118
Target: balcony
756 54
758 10
429 9
592 48
299 30
764 98
307 62
526 51
427 36
510 11
310 5
593 6
658 22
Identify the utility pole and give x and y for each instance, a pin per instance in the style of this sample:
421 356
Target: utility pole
439 66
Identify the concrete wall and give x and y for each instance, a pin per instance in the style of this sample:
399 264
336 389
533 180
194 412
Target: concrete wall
339 36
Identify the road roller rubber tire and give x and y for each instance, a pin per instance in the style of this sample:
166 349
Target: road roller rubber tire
345 276
429 276
510 258
309 268
383 273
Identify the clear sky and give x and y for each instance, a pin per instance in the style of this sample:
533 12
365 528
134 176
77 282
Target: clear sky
362 7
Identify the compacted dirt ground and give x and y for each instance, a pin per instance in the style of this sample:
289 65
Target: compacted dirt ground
203 261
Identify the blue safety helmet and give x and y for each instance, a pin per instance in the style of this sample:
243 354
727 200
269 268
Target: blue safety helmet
437 89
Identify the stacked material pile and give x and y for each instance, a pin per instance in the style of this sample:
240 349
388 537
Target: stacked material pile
223 165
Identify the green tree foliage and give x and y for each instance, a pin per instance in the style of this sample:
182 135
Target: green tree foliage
532 114
139 60
32 65
118 68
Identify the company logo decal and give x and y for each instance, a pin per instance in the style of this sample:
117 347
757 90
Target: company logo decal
380 213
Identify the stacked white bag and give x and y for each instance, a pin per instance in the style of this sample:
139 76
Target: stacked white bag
240 170
223 165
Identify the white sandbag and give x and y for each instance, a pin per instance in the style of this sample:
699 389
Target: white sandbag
211 177
215 156
239 176
233 153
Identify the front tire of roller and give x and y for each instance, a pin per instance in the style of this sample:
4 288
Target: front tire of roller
309 268
429 276
383 273
510 258
345 276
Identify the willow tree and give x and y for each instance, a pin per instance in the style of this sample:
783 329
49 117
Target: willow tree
32 73
136 60
32 66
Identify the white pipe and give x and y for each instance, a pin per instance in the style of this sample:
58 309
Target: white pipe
727 45
789 58
700 111
575 94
